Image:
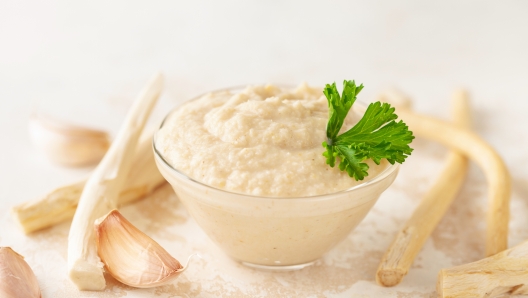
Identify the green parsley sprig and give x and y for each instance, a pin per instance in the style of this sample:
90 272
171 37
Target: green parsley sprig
376 136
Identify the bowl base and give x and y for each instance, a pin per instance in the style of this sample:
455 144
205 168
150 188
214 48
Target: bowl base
279 267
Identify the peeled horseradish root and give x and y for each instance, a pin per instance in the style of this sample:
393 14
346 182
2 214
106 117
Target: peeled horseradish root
60 204
16 277
101 191
131 256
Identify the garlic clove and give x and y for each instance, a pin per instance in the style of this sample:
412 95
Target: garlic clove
131 256
16 277
68 144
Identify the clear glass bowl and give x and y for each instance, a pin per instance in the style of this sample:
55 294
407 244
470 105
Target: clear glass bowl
272 232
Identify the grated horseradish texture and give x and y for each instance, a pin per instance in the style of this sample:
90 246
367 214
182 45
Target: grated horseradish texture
262 140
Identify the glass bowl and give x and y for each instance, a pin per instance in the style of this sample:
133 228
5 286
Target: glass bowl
274 232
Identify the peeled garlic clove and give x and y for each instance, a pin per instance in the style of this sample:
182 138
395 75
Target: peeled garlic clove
131 256
68 144
16 277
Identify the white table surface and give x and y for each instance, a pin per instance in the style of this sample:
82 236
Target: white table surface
84 62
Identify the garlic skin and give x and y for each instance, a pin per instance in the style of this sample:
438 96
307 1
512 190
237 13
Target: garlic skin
17 280
131 256
68 144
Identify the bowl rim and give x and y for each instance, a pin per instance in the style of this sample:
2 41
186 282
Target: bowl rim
390 169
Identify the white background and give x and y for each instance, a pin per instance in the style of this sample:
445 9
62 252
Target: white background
83 61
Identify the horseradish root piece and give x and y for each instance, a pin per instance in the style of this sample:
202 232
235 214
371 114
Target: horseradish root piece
475 148
60 204
101 192
411 238
503 273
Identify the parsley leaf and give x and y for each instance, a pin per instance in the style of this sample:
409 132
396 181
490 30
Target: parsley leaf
338 106
376 136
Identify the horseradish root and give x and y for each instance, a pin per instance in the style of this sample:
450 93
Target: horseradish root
68 144
503 273
60 204
475 148
102 190
16 277
132 257
411 238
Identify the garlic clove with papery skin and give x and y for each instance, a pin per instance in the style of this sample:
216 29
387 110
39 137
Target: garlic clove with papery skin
68 144
131 256
17 280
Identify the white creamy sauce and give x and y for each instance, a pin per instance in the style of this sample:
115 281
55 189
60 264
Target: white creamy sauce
262 140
